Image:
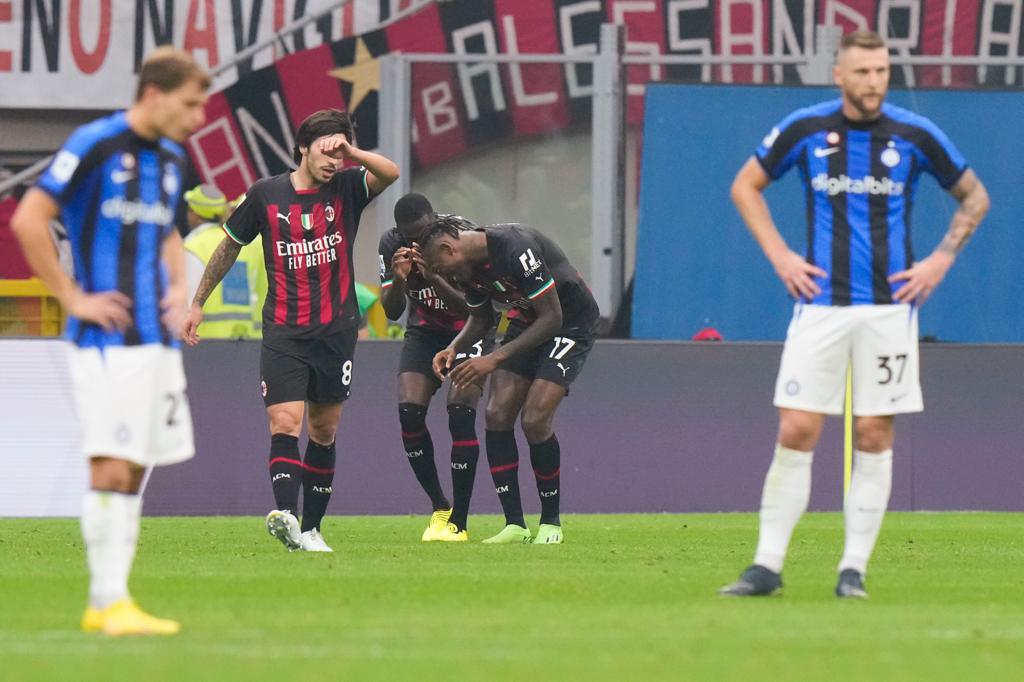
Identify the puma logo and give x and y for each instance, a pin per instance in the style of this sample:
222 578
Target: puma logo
565 370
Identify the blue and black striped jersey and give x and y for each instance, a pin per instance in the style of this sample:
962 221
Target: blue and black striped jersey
859 179
118 194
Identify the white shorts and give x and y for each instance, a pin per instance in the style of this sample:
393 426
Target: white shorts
879 341
131 403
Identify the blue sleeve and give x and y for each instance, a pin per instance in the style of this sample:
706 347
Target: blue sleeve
69 165
942 159
782 146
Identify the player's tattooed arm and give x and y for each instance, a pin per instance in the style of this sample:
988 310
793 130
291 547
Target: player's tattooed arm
921 279
974 204
220 262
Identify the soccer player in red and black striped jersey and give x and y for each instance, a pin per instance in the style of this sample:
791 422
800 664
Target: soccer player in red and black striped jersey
552 325
437 313
308 219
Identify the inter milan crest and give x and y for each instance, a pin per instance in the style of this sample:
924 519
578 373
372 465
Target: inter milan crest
170 183
891 157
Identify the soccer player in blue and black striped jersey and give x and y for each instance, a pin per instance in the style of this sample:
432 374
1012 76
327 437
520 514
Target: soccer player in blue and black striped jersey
116 185
857 289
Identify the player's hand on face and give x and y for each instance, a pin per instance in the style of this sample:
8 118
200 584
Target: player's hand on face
921 278
336 147
798 275
111 310
473 371
417 260
401 263
443 362
174 308
192 321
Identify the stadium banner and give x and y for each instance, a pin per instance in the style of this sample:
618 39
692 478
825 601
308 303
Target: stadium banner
249 131
82 54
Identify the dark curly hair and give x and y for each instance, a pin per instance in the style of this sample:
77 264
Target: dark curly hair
445 224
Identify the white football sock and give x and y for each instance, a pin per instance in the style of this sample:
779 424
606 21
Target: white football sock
787 489
865 507
110 534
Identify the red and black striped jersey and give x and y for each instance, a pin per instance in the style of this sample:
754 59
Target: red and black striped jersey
307 247
522 265
426 309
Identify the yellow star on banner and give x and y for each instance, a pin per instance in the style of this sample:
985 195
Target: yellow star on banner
363 74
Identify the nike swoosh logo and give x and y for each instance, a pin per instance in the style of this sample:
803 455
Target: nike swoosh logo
121 177
284 217
820 153
897 398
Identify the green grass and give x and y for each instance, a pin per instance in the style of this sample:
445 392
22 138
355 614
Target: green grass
627 598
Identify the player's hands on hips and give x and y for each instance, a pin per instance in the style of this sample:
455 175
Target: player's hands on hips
798 275
336 147
473 371
922 278
111 310
174 308
443 362
401 263
192 321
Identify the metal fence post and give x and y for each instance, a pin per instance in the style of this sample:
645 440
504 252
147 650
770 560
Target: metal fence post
395 131
826 42
607 178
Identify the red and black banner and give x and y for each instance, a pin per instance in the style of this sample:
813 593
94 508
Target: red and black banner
459 106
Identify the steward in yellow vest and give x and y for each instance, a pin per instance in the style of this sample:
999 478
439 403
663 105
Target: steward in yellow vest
234 309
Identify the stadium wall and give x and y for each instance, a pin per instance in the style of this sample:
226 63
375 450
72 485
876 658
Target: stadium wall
694 251
648 427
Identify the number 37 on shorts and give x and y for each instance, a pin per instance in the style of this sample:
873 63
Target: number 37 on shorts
878 343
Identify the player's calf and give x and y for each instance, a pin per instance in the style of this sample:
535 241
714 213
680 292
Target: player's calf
465 455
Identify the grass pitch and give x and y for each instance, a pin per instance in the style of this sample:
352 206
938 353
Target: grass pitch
627 598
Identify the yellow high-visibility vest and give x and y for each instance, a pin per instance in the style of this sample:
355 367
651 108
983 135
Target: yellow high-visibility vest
234 309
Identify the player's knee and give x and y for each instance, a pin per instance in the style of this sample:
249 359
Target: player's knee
461 420
286 423
873 435
537 424
499 417
113 474
798 430
413 417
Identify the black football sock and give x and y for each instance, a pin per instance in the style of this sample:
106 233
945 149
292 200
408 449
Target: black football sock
285 471
546 460
317 483
419 448
465 453
503 458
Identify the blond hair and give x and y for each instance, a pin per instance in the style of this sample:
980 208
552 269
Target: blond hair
168 68
866 40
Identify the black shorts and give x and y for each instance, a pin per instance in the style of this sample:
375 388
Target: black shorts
558 360
318 370
421 345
